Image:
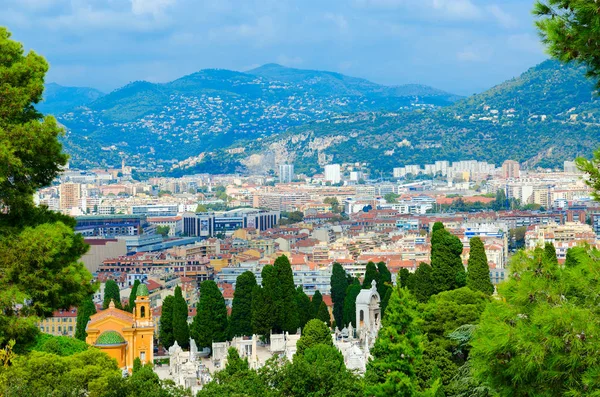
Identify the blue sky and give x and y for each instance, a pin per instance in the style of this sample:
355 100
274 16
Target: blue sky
462 46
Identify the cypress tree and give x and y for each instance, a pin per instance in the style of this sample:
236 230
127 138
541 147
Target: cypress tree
571 259
165 330
304 306
323 314
448 270
133 296
210 322
350 304
384 282
84 312
478 276
262 314
316 304
404 278
339 285
550 254
370 275
269 299
423 286
181 331
240 321
111 292
287 311
386 300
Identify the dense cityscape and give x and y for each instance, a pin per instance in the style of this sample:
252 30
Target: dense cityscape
284 232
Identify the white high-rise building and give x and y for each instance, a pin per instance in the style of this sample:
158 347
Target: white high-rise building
333 173
286 173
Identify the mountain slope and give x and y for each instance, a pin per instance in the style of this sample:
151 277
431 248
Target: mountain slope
213 108
543 117
59 99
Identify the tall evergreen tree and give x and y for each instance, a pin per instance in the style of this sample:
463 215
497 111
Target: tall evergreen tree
397 351
370 275
269 298
210 322
385 278
448 270
478 276
84 312
315 304
304 307
550 253
133 296
422 284
339 285
323 314
181 330
404 279
287 311
386 300
240 321
350 304
111 292
165 329
262 313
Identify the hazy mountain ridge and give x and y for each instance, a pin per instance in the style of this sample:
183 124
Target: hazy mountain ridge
59 99
545 116
216 108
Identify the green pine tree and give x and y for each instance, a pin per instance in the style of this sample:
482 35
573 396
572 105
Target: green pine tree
240 321
84 312
448 270
165 330
181 331
371 274
478 276
133 296
323 314
210 322
315 303
304 306
397 351
111 292
339 285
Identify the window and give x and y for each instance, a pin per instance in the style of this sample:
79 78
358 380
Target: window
362 315
143 312
143 357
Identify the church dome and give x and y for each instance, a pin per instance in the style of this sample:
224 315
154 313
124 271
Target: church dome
110 338
142 290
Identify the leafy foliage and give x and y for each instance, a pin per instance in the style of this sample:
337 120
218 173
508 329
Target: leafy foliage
316 332
133 296
339 285
112 292
539 338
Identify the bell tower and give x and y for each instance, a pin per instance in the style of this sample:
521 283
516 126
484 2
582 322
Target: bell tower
142 314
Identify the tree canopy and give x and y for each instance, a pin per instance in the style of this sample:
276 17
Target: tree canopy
478 275
240 321
210 322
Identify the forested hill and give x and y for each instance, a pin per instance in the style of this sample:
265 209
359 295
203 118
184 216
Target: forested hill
59 99
543 117
214 108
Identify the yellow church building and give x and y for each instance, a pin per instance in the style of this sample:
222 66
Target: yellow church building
122 335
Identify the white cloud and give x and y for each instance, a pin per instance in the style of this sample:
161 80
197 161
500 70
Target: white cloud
450 9
338 20
503 18
154 7
289 61
471 54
